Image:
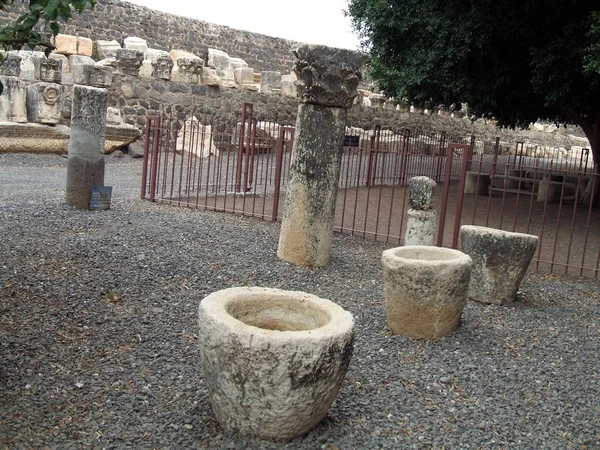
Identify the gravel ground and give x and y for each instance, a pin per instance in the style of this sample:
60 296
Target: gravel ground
98 334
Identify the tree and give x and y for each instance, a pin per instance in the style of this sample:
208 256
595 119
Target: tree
517 61
23 33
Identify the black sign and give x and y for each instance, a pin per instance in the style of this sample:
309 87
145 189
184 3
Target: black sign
351 141
100 199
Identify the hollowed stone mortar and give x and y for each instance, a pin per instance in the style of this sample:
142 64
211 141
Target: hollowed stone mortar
500 260
273 360
425 290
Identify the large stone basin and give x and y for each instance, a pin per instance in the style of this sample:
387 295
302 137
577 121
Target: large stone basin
273 360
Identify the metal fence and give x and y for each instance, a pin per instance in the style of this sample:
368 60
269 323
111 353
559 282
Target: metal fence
245 171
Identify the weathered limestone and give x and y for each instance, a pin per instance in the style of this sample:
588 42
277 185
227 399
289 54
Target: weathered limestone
79 59
238 63
221 62
33 138
377 100
67 75
48 70
13 100
288 85
477 183
209 77
85 166
107 49
425 290
500 260
129 61
244 75
65 44
196 139
270 82
136 43
27 65
273 360
162 65
11 65
422 219
97 76
119 136
187 67
327 79
44 101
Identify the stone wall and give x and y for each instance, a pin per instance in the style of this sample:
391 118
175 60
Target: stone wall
116 19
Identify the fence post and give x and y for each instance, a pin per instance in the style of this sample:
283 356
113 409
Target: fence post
155 150
247 110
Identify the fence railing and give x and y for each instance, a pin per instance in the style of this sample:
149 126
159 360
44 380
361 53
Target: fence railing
245 171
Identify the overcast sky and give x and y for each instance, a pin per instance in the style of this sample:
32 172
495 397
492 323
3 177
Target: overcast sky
310 21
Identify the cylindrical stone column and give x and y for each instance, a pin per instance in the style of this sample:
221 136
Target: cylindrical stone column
327 82
422 219
85 166
425 290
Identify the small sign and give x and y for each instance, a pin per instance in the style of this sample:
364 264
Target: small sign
351 141
101 196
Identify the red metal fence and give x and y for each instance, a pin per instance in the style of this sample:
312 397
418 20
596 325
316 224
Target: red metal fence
245 171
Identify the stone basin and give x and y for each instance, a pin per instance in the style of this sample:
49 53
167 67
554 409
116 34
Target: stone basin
273 360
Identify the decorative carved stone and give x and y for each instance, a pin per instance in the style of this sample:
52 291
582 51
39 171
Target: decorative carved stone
119 136
33 137
107 49
328 76
11 66
209 77
421 191
48 70
187 67
13 100
44 103
136 43
244 75
27 65
98 76
129 61
67 76
377 100
270 82
221 62
162 65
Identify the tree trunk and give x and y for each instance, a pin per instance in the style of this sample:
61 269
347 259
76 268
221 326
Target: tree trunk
592 191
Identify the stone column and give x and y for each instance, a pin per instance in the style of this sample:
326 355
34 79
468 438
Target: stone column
327 82
422 220
85 166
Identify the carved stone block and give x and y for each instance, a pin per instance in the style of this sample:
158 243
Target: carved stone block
244 75
162 65
328 76
48 70
13 100
129 61
238 63
107 49
270 82
85 46
65 44
97 75
11 67
209 77
136 43
44 101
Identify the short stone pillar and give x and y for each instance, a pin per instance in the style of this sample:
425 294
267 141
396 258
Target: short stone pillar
500 260
425 290
550 188
13 100
327 82
273 360
422 220
44 101
85 166
477 183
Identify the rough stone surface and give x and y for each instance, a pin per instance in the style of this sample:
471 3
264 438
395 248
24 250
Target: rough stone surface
425 290
85 46
196 138
187 67
85 168
80 59
13 101
244 75
377 100
44 102
27 66
96 75
477 183
421 192
270 82
307 225
500 260
65 44
273 360
11 65
107 49
136 149
129 61
209 77
48 69
420 227
33 138
328 76
119 136
136 43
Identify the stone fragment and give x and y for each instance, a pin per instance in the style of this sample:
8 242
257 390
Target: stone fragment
65 44
270 82
210 77
97 75
136 43
420 227
11 65
67 75
113 116
129 61
85 46
162 66
27 65
119 136
377 100
44 101
238 63
48 70
288 85
500 260
273 360
196 138
79 59
390 103
13 100
328 79
425 290
85 165
244 75
136 149
107 49
221 62
146 69
33 138
187 67
421 192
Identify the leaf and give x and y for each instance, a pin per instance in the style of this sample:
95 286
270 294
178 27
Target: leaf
51 7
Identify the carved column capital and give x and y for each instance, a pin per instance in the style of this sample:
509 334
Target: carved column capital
328 76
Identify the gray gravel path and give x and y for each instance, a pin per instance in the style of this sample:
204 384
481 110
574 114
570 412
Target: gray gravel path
98 334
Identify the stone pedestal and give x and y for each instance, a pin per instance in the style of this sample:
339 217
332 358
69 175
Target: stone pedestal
273 360
85 166
327 81
477 183
500 260
550 188
13 100
421 227
425 290
44 101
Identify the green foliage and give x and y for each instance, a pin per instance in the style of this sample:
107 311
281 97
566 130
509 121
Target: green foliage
515 60
47 13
